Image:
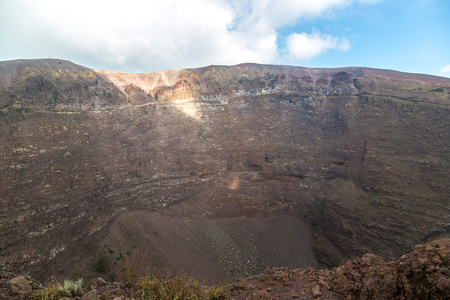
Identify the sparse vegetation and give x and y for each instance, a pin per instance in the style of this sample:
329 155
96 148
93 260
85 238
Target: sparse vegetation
217 293
102 265
177 288
51 291
420 274
146 288
120 257
73 288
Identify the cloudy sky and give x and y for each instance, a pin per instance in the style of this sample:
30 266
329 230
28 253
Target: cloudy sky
152 35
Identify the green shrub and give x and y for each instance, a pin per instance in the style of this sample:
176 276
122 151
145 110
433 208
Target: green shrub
217 294
102 264
73 288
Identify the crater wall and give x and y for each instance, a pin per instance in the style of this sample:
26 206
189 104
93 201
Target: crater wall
359 155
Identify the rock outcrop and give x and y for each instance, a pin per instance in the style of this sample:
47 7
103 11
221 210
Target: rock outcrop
360 155
421 274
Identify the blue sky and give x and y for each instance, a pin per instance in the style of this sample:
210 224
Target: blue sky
145 36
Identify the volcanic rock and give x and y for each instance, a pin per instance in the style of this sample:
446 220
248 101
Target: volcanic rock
421 274
20 286
357 156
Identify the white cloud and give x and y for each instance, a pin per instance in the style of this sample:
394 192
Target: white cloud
276 13
137 35
446 69
305 46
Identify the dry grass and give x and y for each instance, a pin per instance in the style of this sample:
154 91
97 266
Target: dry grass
149 288
51 291
180 287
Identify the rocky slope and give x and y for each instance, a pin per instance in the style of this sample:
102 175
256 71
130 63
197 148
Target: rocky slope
422 274
359 157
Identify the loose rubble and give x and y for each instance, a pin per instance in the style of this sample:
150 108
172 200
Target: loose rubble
422 274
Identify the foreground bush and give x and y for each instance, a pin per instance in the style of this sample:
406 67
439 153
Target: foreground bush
176 288
146 288
51 291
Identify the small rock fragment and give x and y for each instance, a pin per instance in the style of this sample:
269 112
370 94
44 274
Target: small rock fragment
92 295
20 285
316 291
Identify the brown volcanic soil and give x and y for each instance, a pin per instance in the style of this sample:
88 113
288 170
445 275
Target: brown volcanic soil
210 250
247 246
359 155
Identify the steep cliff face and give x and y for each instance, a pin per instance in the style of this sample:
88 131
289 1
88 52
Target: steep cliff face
359 155
54 85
